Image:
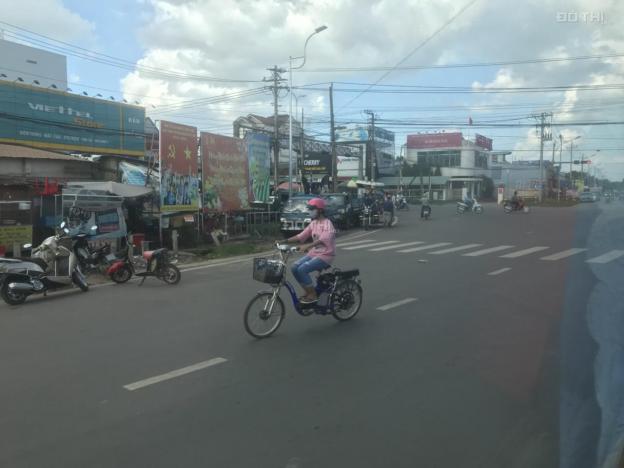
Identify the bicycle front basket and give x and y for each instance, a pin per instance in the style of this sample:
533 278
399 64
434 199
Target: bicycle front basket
268 270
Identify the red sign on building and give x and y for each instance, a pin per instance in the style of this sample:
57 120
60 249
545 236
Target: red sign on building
483 142
434 140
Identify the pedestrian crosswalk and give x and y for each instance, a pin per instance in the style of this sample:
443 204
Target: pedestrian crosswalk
507 252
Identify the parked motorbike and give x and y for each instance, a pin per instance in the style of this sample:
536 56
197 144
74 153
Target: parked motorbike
473 206
370 217
91 259
158 263
53 265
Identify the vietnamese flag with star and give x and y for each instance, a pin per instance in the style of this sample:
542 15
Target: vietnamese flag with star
179 184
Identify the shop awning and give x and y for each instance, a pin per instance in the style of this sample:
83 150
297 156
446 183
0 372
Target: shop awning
109 188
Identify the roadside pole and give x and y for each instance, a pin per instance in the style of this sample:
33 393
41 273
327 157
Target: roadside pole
334 170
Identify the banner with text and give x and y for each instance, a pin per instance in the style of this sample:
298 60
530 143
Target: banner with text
179 186
259 153
317 163
225 173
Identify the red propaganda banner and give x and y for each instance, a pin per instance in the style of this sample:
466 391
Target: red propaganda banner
434 140
483 142
225 173
179 187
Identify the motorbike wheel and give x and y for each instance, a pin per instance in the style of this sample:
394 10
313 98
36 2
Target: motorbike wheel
79 280
122 275
478 210
12 297
460 210
170 274
508 208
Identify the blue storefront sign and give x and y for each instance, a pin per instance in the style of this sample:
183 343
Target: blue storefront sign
53 119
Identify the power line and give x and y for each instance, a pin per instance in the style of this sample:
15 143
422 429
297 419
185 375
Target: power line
50 43
462 65
419 46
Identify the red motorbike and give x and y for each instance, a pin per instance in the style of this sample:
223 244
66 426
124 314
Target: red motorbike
158 263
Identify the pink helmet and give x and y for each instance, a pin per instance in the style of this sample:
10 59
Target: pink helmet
317 203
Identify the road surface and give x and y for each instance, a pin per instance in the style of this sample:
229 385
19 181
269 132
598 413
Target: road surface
483 342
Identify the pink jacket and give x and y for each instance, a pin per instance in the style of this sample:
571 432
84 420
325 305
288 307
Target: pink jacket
321 230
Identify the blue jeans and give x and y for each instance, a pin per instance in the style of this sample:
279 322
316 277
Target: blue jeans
302 268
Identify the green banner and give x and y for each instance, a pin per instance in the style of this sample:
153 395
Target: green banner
53 119
259 158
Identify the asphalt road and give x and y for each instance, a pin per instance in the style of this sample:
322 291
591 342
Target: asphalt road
494 345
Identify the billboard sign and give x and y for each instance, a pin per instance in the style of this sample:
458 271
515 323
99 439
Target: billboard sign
317 163
259 157
434 140
483 142
225 173
179 186
47 118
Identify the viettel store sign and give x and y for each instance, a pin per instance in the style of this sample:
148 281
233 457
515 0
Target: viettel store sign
53 119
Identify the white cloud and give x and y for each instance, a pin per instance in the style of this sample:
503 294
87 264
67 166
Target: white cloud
47 17
241 38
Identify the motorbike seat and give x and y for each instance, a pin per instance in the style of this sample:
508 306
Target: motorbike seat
37 261
148 254
346 274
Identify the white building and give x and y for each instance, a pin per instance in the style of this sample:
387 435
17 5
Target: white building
26 64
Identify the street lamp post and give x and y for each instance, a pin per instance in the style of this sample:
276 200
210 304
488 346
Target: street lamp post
301 131
290 69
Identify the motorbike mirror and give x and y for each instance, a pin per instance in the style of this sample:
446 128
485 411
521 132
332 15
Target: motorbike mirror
63 224
94 229
66 230
27 246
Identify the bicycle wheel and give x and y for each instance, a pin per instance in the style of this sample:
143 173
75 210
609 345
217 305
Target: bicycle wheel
347 300
260 322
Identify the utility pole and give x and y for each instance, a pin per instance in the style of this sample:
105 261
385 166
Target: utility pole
334 161
373 147
302 149
544 136
276 78
560 167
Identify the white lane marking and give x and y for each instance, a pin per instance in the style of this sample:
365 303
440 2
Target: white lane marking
498 272
522 253
455 249
564 254
487 251
345 244
392 305
606 258
173 374
362 234
365 246
426 247
396 246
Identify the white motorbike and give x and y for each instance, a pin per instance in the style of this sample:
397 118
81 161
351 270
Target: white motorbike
53 265
474 207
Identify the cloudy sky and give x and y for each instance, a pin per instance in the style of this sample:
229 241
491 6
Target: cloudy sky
191 51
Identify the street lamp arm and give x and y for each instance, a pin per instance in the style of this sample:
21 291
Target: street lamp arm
305 47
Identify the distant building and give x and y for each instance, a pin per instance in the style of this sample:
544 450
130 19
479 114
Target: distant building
384 148
29 65
465 162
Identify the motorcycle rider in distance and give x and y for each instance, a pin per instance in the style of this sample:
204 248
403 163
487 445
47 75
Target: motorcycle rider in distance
320 252
424 200
516 201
